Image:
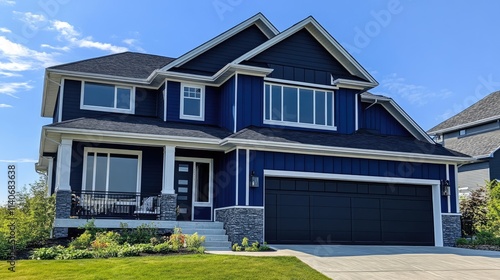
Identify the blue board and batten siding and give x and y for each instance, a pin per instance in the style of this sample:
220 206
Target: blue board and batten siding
261 160
146 102
227 108
250 101
377 119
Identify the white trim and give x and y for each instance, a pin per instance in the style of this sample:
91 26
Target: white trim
264 24
61 101
168 170
286 147
298 123
300 84
324 38
183 116
457 193
165 103
50 170
449 196
237 174
451 214
63 165
469 124
436 193
247 171
194 203
113 109
108 152
235 102
356 113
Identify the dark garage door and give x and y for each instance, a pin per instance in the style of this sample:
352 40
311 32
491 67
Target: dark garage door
319 212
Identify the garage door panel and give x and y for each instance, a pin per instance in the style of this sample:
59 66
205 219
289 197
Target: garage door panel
329 200
348 213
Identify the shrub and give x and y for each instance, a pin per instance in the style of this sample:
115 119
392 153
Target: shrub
256 246
105 240
462 241
128 250
165 247
194 242
177 239
82 242
141 234
474 209
91 229
71 254
485 238
47 253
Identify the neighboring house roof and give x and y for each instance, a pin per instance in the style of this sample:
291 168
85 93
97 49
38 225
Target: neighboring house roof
127 64
143 125
479 145
358 140
485 110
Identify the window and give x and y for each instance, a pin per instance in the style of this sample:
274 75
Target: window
192 103
104 97
202 182
462 132
110 170
297 106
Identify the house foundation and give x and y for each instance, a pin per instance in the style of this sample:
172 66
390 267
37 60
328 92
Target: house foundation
241 221
63 211
168 207
452 229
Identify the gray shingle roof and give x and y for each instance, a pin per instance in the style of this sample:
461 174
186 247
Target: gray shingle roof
359 140
487 107
144 125
127 64
476 145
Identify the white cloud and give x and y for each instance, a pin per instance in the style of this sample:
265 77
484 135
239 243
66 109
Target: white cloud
5 30
33 21
19 160
9 74
68 33
134 43
7 2
2 105
415 94
15 57
11 88
65 48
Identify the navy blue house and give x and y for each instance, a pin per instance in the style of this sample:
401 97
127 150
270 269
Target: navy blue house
259 133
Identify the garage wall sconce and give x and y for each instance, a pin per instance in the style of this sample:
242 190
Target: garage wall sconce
254 180
445 188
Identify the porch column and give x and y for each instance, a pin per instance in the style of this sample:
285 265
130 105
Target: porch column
63 188
168 202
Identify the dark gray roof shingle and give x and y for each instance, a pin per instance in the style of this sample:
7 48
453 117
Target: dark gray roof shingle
482 144
485 108
127 64
144 125
359 140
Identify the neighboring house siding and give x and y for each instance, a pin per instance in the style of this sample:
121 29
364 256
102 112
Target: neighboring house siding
473 175
152 165
250 101
260 160
214 59
495 166
227 109
145 102
377 119
482 128
212 101
301 58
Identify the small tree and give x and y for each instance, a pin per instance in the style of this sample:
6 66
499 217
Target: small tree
474 210
493 215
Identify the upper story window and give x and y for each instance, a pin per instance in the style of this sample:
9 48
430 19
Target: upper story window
298 106
192 102
105 97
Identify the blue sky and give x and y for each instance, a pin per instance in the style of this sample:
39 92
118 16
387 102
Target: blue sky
435 58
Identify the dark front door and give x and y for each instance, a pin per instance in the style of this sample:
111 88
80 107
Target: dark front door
183 182
321 211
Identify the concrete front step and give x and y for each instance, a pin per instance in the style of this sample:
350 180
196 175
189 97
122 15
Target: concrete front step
214 232
216 238
218 249
217 244
200 225
205 231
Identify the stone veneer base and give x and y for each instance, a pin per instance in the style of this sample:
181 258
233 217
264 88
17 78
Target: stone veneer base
242 222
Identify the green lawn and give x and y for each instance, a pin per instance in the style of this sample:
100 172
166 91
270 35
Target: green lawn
164 267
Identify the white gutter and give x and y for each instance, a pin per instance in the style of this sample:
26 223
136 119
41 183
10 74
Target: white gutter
465 125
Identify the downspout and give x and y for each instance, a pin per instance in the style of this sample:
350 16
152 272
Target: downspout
376 100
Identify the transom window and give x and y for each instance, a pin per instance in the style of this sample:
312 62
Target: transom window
192 102
110 170
105 97
297 106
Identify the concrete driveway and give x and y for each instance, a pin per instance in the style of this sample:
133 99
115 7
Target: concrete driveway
396 262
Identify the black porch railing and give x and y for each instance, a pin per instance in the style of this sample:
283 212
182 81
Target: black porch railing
109 205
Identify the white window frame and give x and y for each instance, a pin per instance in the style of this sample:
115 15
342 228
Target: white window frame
183 116
299 124
88 150
109 109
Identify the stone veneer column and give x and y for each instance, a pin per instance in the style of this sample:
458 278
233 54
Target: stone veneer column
452 229
168 207
63 211
242 222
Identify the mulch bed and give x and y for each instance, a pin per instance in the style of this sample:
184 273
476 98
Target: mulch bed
480 247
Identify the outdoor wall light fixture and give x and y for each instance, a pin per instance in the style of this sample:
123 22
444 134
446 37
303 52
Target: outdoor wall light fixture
445 188
254 180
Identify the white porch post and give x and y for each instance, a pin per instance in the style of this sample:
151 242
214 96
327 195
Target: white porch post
49 176
168 170
63 165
